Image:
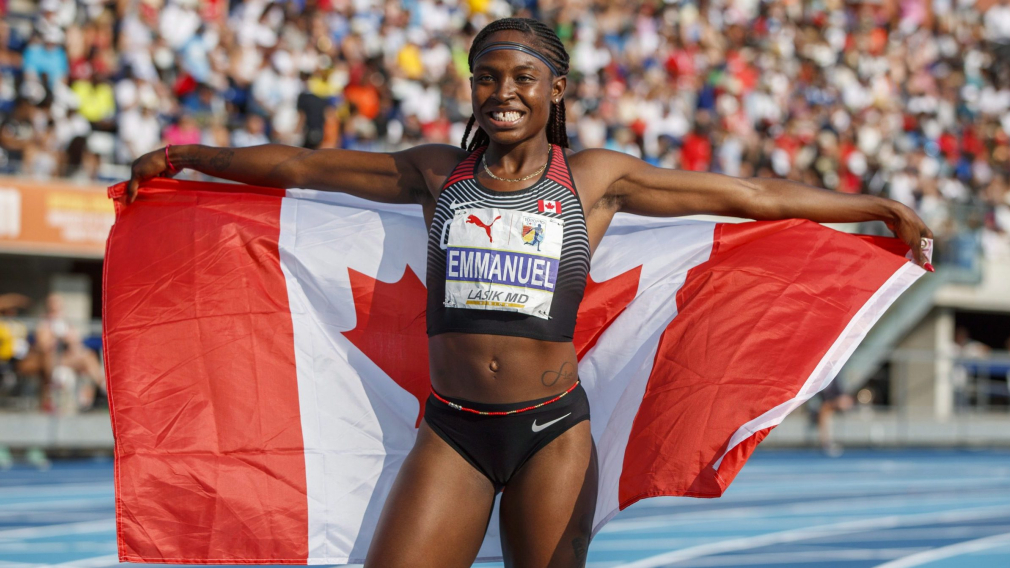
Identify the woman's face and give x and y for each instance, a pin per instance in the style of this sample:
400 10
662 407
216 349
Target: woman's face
512 91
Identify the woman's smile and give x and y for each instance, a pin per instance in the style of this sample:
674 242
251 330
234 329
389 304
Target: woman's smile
505 119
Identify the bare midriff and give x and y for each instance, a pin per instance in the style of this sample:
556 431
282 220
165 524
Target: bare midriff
462 366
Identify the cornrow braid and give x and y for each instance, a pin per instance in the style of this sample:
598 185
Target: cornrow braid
544 40
557 132
479 139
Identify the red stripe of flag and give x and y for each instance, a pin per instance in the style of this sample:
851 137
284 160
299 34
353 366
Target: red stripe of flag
210 463
727 358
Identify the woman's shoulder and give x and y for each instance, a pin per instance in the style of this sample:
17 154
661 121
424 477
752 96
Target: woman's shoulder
590 154
437 158
595 169
438 152
598 161
435 162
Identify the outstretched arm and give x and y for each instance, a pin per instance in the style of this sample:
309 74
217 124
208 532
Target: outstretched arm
391 178
637 187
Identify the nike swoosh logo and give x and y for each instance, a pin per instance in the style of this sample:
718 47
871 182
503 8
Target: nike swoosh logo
537 428
457 205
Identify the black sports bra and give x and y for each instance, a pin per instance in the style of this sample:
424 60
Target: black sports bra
508 263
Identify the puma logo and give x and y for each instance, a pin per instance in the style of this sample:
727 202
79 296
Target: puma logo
474 220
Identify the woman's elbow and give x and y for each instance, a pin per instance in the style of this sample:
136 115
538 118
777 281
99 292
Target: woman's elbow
746 199
295 172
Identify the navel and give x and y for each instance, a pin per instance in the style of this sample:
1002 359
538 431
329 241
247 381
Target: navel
493 365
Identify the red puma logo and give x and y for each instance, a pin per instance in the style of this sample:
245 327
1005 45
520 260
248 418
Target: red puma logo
473 220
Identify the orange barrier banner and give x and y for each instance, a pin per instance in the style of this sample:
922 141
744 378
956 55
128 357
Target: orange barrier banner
54 218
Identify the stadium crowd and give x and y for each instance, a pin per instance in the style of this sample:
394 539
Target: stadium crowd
905 98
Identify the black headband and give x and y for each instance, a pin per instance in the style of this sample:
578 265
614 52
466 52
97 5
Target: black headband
499 45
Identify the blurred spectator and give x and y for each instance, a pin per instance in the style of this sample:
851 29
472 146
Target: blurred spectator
17 131
997 30
696 150
46 57
13 348
967 351
888 98
826 404
252 134
70 373
96 99
13 338
185 131
967 347
312 117
140 130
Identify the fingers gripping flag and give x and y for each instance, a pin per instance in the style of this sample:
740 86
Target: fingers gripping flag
266 360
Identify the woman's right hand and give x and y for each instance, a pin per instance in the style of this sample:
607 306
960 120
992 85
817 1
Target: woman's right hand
151 164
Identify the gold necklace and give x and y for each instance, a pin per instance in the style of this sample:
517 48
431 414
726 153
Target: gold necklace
483 162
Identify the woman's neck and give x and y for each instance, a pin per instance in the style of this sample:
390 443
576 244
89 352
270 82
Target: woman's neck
518 159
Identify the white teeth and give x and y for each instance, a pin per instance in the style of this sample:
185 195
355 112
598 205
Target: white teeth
510 116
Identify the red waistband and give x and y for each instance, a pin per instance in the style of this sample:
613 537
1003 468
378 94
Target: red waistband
503 412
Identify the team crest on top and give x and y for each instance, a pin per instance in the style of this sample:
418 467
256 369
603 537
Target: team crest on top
533 232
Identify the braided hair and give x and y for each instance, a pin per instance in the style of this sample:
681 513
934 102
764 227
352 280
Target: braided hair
544 40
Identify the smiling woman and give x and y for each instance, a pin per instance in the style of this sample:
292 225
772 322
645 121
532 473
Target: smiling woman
513 219
542 83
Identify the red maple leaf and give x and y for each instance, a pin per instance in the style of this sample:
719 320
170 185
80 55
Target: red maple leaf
390 330
601 304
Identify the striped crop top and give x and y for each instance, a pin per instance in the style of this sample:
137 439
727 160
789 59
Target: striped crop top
507 263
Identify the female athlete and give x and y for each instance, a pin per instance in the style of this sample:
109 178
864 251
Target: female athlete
507 412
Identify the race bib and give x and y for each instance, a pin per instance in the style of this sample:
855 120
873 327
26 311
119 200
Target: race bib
499 259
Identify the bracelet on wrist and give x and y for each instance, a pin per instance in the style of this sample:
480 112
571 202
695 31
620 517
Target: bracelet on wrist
171 168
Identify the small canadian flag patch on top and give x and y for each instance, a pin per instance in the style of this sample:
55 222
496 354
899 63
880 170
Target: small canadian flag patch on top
549 206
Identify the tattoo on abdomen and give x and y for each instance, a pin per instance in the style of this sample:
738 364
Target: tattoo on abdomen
550 378
221 160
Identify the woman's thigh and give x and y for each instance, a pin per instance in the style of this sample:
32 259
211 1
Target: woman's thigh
548 506
436 513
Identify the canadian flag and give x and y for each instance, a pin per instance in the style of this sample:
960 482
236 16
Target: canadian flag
265 358
547 206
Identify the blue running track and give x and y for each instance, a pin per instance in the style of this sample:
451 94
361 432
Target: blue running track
894 509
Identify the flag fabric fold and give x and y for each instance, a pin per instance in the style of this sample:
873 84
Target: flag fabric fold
266 359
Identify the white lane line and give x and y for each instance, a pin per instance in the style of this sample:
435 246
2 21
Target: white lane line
931 535
810 533
96 562
958 549
12 509
860 489
804 557
643 544
744 526
83 527
42 490
49 518
81 545
928 534
819 507
873 459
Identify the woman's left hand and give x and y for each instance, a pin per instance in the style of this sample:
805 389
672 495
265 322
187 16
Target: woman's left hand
908 227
